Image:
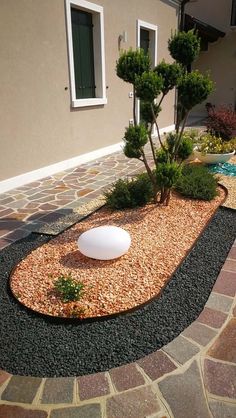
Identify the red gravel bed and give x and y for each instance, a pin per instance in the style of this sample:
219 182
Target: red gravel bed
161 238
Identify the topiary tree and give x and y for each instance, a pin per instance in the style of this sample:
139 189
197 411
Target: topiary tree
193 89
151 86
130 65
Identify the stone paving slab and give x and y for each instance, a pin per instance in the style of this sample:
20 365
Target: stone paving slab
126 377
221 409
85 411
212 318
181 349
199 333
230 265
4 376
137 403
12 411
184 398
219 302
93 386
226 283
224 348
21 389
156 365
58 390
220 378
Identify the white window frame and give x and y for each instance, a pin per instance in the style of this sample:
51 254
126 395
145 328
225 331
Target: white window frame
99 53
141 24
153 29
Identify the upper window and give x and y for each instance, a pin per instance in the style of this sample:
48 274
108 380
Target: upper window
86 53
147 39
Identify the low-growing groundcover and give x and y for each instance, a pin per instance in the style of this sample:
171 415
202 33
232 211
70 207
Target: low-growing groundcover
40 346
130 193
197 182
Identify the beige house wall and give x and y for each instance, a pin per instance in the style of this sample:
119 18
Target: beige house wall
220 59
38 125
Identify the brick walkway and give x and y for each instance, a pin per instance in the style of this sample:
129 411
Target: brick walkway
193 376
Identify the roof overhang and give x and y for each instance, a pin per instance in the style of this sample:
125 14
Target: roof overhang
206 32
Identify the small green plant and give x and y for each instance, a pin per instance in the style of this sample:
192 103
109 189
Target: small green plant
185 147
197 182
135 138
167 174
210 144
130 193
162 155
69 289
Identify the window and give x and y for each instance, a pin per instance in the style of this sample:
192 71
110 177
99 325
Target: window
147 40
144 40
233 13
86 53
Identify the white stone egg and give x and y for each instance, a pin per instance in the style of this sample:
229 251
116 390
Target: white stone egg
104 242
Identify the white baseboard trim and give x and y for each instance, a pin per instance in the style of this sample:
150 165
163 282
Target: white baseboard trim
26 178
167 129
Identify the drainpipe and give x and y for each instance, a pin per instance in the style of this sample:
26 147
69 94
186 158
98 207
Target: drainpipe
182 7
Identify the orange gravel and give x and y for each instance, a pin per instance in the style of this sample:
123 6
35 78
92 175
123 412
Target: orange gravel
161 237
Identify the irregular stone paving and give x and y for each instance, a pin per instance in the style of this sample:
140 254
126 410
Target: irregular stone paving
33 207
194 376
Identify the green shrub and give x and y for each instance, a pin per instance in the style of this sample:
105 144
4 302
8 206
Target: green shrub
162 155
135 138
130 193
171 140
185 148
197 182
146 111
167 174
184 47
193 89
148 86
68 288
170 74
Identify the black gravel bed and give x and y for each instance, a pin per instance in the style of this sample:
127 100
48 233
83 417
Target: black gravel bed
36 345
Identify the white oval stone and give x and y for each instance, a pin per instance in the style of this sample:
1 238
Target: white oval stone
104 242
